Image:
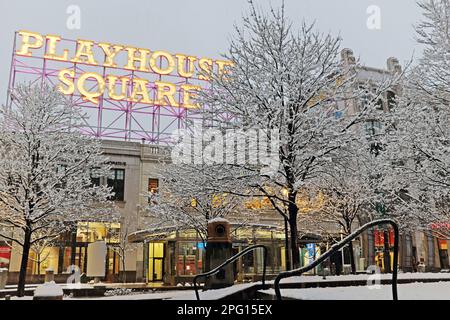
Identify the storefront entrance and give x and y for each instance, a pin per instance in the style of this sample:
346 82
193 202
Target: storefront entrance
155 261
443 253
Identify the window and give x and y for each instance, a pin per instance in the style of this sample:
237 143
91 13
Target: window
391 99
372 127
116 181
95 231
379 104
5 254
153 185
61 171
190 258
95 178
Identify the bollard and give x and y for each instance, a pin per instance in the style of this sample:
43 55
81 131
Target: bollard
49 275
219 249
3 277
421 267
48 291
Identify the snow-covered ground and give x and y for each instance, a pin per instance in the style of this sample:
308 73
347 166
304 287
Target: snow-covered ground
388 276
180 294
410 291
435 290
167 295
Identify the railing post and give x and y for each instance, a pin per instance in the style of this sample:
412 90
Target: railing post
395 267
339 246
230 260
264 267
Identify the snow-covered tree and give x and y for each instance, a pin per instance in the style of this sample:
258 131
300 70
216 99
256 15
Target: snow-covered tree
293 82
418 147
123 247
39 248
46 166
187 199
348 193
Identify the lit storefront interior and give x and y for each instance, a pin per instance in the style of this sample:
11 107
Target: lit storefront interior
70 250
176 256
380 242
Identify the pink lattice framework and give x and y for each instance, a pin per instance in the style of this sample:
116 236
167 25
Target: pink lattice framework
109 119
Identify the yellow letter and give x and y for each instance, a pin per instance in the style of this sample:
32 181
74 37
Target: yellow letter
110 55
112 87
161 93
85 50
142 59
88 95
68 82
140 88
38 41
51 48
205 65
182 70
188 95
154 63
221 64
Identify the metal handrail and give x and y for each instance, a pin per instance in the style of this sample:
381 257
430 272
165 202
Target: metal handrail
339 246
230 260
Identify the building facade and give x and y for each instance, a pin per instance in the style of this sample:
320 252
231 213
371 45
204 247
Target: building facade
172 256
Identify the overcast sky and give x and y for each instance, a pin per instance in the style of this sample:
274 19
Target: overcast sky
203 27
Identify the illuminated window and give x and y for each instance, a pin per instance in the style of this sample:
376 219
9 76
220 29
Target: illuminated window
5 255
45 258
95 231
190 256
117 182
153 185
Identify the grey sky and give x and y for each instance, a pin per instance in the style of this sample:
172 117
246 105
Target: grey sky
202 27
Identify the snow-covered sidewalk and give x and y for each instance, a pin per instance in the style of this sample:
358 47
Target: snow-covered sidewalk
364 277
409 291
178 294
415 290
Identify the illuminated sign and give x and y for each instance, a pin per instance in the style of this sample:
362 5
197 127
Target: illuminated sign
127 93
92 85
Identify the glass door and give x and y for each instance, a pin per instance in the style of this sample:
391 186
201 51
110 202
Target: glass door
155 261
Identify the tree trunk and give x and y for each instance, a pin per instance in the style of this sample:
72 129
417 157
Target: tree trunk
124 273
293 212
24 262
286 244
39 264
348 231
352 257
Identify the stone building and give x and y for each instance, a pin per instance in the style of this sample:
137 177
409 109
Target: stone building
172 256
